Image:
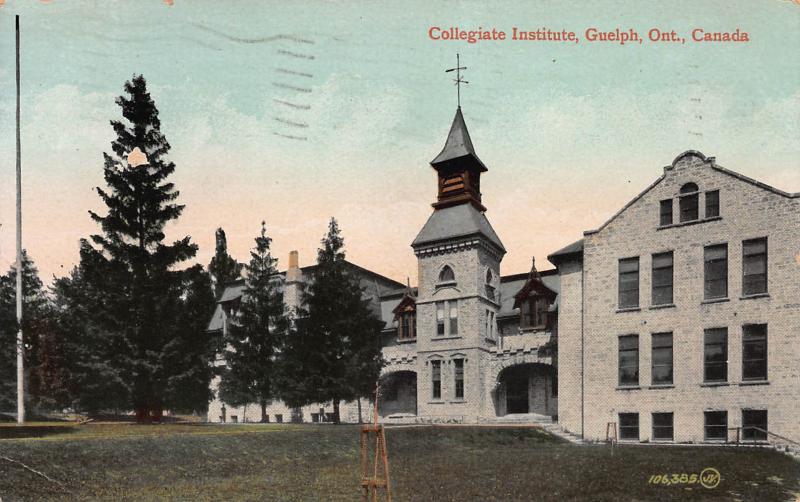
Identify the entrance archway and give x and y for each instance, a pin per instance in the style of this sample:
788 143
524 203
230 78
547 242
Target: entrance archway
526 388
398 394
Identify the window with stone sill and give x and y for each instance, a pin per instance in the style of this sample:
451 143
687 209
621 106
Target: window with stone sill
406 329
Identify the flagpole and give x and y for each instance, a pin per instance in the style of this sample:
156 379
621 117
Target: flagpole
20 345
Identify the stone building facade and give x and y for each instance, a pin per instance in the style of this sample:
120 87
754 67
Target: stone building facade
680 316
677 320
465 345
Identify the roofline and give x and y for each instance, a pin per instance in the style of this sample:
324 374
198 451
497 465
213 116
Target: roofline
626 206
757 183
415 244
524 275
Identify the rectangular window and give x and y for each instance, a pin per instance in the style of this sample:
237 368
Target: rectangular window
663 426
629 426
440 318
716 271
716 355
436 379
662 359
712 203
754 352
666 212
754 425
716 425
628 360
629 283
459 378
688 205
662 278
279 418
754 266
453 307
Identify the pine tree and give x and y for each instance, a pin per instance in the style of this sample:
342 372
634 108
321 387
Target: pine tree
137 270
334 354
191 352
223 267
257 331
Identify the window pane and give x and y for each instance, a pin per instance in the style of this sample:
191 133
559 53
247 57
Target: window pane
665 217
712 204
754 352
629 360
436 379
453 305
440 318
459 377
663 426
688 205
754 425
754 266
716 424
716 271
716 355
662 278
629 283
629 426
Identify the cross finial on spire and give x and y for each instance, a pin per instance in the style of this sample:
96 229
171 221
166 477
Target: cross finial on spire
458 80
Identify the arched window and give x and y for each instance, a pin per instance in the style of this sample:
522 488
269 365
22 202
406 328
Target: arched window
447 275
689 199
489 284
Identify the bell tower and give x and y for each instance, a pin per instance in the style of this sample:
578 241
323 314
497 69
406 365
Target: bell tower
459 169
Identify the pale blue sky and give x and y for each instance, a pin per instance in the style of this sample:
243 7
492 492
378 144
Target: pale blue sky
552 122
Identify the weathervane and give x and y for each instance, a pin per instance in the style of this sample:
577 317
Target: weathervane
458 80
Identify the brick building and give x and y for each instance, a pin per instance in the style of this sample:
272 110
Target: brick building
680 316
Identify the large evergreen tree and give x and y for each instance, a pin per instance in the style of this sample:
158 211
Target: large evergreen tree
257 331
334 353
223 267
132 267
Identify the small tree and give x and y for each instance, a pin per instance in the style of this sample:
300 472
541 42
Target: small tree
257 331
44 371
335 353
223 267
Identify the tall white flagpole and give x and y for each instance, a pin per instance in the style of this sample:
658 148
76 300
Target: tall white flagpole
20 345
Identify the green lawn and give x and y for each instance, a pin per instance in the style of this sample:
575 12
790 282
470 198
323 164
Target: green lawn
307 462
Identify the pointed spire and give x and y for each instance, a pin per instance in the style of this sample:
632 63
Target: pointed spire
458 145
534 274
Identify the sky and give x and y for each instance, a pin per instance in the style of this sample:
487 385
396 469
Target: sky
293 112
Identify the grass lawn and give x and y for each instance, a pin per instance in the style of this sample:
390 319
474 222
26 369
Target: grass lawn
308 462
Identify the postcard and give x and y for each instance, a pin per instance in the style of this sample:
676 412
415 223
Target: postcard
413 251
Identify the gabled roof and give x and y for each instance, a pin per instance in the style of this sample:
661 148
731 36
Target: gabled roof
452 222
458 144
708 160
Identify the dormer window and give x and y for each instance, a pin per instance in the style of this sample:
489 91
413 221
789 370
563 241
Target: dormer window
489 285
447 276
534 313
406 329
689 200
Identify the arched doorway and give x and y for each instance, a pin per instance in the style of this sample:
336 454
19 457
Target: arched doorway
527 388
398 394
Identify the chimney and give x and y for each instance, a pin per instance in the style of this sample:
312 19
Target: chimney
293 272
